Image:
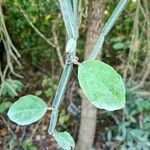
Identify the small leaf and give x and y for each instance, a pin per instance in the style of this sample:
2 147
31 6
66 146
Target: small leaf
11 87
16 84
102 85
64 139
27 110
118 45
38 93
48 92
4 106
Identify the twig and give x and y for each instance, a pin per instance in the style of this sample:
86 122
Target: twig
2 75
11 51
23 135
146 69
54 45
141 84
35 129
35 29
135 34
8 126
60 92
108 26
57 46
72 33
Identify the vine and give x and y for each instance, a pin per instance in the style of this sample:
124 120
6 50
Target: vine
101 84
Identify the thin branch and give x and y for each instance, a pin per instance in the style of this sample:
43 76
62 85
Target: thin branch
8 126
57 46
35 129
35 29
54 45
60 92
108 26
2 75
11 51
68 66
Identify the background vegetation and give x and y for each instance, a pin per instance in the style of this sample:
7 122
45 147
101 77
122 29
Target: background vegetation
36 29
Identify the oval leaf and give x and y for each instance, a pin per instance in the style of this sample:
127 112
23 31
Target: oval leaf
102 85
27 110
64 140
118 46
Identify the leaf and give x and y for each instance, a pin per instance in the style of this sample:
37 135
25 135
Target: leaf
118 46
11 87
102 85
144 106
63 118
48 92
27 110
38 93
4 106
8 90
64 139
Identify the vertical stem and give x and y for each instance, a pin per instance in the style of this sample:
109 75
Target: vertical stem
69 15
106 29
60 92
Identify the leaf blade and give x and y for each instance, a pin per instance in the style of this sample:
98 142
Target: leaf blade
64 139
27 110
102 85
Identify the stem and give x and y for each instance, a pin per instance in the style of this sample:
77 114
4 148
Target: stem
60 92
69 15
35 29
108 26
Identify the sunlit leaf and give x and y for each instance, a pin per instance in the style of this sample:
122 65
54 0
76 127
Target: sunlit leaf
27 110
11 87
64 140
118 45
102 85
4 106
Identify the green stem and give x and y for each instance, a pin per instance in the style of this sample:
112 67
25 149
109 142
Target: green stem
108 26
70 16
60 92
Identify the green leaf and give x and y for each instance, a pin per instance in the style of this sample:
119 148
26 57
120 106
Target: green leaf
64 139
16 84
118 46
48 92
63 118
4 106
38 93
11 87
27 110
102 85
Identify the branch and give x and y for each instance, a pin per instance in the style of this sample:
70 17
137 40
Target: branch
57 46
54 45
108 26
72 34
35 29
60 92
11 51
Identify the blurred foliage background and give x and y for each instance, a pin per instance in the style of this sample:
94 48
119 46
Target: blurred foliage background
37 31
